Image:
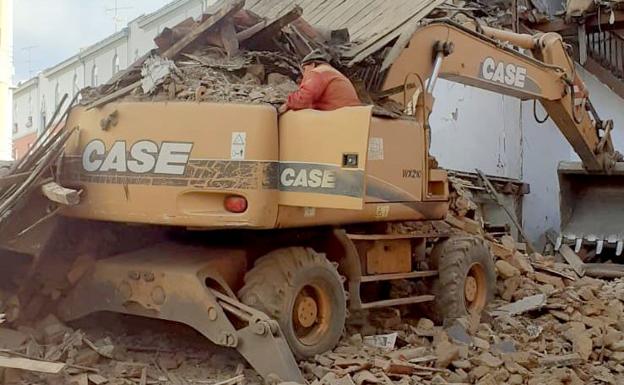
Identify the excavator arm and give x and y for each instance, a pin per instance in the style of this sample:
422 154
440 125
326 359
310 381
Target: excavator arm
530 67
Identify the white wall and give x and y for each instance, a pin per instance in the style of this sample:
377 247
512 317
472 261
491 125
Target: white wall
608 104
24 106
543 147
473 128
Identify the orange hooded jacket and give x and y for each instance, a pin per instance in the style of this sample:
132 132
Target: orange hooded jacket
323 88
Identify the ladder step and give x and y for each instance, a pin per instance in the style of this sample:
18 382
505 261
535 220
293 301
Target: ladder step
395 276
399 301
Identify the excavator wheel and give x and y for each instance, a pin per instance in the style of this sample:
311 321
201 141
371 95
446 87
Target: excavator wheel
467 278
303 291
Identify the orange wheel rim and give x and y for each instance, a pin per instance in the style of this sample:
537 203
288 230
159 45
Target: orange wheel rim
311 314
475 288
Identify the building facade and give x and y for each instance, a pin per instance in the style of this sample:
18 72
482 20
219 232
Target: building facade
6 72
36 100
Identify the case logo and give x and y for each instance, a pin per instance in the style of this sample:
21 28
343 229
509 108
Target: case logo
314 178
508 74
142 157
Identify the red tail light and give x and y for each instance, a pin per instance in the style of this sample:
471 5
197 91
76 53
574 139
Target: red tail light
235 204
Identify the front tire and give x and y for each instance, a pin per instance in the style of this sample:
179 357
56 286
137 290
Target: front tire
466 278
303 291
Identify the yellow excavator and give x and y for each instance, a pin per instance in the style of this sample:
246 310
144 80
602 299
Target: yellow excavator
261 231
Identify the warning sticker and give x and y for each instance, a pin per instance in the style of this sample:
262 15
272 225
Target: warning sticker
382 211
239 141
309 212
375 149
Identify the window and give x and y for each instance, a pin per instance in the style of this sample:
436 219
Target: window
43 115
57 94
29 121
116 64
15 128
94 76
75 87
136 54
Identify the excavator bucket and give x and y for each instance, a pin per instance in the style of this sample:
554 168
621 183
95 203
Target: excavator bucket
592 210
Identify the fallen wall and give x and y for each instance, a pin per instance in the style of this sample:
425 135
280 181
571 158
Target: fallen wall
473 128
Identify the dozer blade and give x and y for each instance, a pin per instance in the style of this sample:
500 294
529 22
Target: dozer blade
174 282
592 209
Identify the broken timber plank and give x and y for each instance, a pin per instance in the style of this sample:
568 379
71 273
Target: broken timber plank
266 34
117 94
604 270
249 32
59 194
227 10
524 305
573 259
31 365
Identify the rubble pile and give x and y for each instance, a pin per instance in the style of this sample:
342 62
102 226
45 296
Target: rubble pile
559 329
210 75
122 352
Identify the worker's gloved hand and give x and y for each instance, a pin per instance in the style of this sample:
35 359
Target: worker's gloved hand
282 109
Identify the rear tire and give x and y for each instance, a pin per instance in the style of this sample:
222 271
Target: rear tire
303 291
467 278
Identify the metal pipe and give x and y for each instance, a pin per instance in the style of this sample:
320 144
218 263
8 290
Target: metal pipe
436 71
522 40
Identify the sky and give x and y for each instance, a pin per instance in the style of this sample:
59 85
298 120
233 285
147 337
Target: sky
50 31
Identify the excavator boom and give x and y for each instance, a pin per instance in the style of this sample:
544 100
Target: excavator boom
530 67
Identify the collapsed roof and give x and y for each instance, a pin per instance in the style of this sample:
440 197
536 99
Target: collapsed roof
211 57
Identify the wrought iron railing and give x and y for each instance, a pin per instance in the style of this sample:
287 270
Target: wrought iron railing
607 48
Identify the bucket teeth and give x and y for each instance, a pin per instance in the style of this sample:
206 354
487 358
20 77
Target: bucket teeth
598 242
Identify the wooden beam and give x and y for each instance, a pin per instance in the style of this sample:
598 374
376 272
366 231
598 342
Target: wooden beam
266 34
115 95
249 32
31 365
227 10
594 22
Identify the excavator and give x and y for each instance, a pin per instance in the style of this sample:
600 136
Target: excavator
262 232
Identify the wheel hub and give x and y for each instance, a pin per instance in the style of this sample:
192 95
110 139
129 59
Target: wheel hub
475 288
470 289
306 310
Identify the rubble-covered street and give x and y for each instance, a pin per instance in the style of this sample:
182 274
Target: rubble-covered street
546 326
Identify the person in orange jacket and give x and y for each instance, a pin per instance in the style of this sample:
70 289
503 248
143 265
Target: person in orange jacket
322 88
